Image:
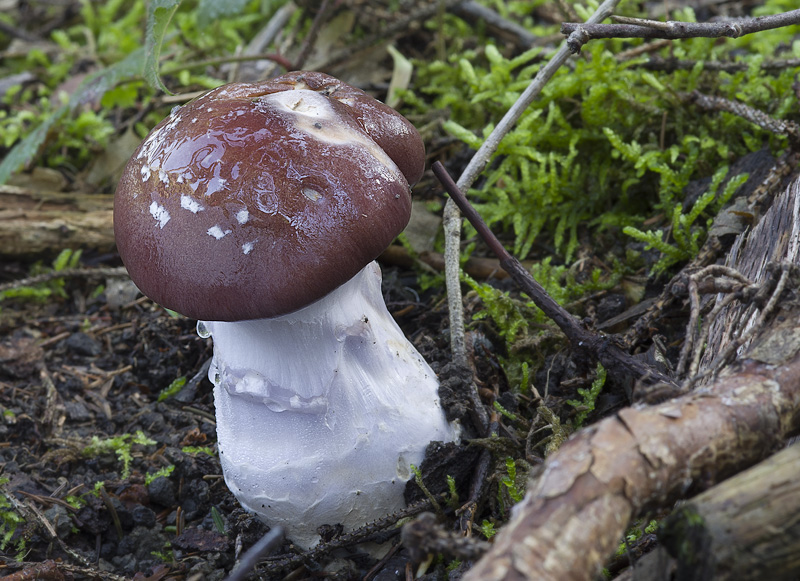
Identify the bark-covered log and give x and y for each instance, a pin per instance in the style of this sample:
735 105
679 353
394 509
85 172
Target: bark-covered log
746 528
643 458
33 222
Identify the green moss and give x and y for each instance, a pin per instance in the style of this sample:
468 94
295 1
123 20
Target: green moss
66 259
607 149
588 400
683 533
10 521
520 322
172 389
119 445
608 144
198 450
42 127
686 233
164 472
512 484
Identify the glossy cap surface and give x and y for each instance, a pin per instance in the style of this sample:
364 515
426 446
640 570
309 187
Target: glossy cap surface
255 200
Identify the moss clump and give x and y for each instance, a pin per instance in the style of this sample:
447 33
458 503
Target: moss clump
609 143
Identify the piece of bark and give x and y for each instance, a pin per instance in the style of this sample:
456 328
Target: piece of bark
37 222
775 238
646 458
746 528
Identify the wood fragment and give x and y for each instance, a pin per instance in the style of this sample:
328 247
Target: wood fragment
746 528
36 222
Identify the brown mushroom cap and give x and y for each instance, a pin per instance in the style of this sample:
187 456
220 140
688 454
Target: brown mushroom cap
255 200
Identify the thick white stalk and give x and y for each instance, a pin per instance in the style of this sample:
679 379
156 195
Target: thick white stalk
321 412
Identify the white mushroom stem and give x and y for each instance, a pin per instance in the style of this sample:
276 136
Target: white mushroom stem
321 412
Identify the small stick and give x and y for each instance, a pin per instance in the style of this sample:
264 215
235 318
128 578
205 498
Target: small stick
579 34
81 272
263 547
597 346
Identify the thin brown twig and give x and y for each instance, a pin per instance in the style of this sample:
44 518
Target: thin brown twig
713 103
451 223
19 33
677 288
669 65
313 33
66 273
263 547
579 34
212 62
362 534
387 33
424 536
31 513
782 272
598 347
478 12
733 281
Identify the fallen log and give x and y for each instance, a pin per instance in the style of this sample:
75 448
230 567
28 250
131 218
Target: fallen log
746 528
39 222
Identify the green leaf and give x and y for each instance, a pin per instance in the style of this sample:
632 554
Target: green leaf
219 524
25 150
67 258
159 14
172 389
465 135
90 91
209 11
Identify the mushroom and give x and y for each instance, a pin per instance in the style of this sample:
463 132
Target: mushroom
259 210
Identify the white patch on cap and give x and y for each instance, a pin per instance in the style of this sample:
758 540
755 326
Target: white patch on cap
189 203
247 247
311 194
215 184
314 116
242 216
145 172
218 232
160 214
162 175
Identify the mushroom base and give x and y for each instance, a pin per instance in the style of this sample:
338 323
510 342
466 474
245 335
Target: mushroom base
321 412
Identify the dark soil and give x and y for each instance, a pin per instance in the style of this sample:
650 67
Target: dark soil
78 368
74 369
